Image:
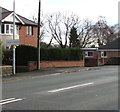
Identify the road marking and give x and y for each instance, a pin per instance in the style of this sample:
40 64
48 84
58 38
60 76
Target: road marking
10 100
55 74
71 87
7 99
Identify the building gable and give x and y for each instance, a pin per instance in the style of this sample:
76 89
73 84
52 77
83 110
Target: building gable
9 18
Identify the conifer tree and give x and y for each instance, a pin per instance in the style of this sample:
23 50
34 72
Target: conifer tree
73 38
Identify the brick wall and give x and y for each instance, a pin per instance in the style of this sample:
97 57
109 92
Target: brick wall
113 54
109 55
48 64
28 40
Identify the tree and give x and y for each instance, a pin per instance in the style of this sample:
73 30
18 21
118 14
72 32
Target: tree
42 26
103 32
73 38
59 26
86 33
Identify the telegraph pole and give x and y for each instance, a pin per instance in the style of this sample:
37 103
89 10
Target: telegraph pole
14 37
38 42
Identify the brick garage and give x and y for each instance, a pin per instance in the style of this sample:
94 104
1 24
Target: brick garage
108 51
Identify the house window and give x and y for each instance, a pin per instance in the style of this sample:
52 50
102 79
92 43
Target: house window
89 54
11 29
17 30
103 54
2 29
29 30
8 29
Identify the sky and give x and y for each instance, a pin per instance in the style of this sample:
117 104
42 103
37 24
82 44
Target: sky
90 9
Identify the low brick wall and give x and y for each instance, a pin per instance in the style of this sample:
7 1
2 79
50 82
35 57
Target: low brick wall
49 64
20 69
6 70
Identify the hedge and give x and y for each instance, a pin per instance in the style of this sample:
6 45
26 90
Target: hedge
28 53
24 54
58 54
7 59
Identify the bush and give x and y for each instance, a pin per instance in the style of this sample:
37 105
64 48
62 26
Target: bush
58 54
24 54
51 54
28 53
7 59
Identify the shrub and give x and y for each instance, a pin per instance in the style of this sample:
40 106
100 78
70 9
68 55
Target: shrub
24 54
58 54
29 53
7 59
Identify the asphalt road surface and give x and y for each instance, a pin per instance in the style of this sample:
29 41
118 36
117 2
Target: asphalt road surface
85 90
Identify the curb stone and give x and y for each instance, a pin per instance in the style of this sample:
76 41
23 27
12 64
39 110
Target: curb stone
33 74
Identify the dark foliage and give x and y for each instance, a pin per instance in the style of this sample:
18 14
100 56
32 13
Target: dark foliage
28 53
24 54
7 59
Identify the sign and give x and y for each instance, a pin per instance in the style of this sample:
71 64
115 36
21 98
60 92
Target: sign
13 42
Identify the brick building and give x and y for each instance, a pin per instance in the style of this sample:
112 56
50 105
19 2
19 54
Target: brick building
90 56
101 55
25 29
108 51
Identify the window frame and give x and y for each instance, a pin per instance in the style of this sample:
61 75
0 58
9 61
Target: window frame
9 31
29 31
103 54
87 53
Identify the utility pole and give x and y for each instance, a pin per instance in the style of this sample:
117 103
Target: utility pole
38 42
14 37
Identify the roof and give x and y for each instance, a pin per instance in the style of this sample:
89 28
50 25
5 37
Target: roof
112 45
6 13
89 49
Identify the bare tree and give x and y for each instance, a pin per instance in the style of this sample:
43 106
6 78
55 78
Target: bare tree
86 33
103 32
42 26
59 26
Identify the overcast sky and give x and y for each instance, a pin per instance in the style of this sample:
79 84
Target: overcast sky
91 9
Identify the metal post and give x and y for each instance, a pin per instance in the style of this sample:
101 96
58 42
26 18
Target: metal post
14 37
84 58
38 43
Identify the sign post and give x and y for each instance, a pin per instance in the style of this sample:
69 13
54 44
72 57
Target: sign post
14 37
13 43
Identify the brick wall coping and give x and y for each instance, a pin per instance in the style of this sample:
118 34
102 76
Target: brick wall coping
5 66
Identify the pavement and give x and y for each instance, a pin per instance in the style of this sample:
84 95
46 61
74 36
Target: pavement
47 71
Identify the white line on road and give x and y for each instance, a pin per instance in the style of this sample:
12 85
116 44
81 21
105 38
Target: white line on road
10 100
55 74
71 87
7 99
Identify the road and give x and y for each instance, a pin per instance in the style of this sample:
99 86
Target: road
85 90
